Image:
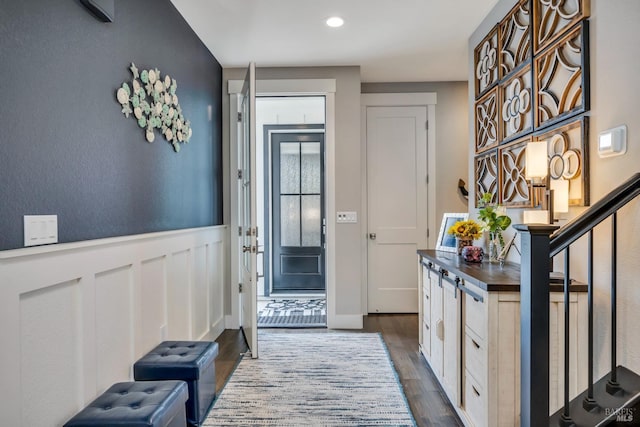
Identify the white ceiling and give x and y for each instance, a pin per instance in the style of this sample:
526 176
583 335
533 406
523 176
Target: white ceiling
391 40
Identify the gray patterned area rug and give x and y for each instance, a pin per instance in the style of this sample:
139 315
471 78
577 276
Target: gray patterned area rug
314 379
293 313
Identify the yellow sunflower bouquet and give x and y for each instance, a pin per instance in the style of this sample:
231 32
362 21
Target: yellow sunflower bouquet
468 229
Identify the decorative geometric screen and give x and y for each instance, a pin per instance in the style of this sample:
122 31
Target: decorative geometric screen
531 81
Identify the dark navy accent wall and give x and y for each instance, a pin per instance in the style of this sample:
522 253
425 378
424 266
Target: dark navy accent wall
65 147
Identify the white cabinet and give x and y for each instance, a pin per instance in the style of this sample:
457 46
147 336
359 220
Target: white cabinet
471 339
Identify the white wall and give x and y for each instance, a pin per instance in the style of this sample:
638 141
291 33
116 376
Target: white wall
75 317
615 100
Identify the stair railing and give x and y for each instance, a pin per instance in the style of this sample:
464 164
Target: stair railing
539 244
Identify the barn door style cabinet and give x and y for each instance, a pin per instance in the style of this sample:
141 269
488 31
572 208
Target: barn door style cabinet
470 336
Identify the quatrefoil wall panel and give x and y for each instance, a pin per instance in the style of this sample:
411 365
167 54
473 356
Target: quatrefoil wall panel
514 188
568 151
516 109
486 175
486 115
515 38
561 89
486 62
552 18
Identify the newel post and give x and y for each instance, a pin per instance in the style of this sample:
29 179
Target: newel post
534 324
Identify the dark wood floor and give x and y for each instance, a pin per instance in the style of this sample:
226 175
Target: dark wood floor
428 403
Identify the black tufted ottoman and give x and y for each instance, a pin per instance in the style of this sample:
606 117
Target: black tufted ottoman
136 404
190 361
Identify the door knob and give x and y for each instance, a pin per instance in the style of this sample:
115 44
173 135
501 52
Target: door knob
372 236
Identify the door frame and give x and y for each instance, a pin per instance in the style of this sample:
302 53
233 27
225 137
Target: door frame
428 100
269 130
287 87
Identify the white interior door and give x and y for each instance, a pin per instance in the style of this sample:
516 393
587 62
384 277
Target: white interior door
247 211
397 205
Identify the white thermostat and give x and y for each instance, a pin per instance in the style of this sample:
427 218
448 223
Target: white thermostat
612 142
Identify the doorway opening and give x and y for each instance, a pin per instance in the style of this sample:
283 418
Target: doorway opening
290 151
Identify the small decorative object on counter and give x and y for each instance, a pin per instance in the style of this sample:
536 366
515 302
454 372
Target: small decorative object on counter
463 242
472 253
495 221
465 232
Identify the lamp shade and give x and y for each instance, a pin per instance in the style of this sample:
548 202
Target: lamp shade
560 189
537 164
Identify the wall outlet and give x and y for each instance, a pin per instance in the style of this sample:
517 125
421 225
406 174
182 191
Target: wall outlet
40 229
349 217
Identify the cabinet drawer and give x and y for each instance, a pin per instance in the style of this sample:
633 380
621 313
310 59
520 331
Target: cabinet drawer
475 357
476 318
474 401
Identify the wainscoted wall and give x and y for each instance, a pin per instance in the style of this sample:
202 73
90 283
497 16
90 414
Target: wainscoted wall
75 317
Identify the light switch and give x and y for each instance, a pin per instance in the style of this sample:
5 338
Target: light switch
349 217
40 229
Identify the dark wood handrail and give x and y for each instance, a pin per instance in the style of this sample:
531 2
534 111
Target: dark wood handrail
594 215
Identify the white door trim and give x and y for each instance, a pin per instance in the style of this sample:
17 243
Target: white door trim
307 87
428 99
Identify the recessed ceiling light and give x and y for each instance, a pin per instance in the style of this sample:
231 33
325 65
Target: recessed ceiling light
335 21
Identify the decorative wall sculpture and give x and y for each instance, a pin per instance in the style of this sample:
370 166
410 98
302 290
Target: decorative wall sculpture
516 113
486 175
536 87
568 152
486 62
486 114
553 18
514 188
160 111
560 77
515 38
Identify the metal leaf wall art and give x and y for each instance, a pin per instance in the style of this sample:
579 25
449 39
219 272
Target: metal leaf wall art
154 103
515 38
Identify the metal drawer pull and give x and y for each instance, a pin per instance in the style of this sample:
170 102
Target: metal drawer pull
426 326
475 343
475 391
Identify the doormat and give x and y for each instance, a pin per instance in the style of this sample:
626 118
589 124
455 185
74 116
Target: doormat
293 313
314 379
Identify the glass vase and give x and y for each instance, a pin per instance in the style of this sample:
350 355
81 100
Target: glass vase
494 247
461 242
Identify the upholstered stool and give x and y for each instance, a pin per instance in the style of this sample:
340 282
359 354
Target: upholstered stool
136 404
190 361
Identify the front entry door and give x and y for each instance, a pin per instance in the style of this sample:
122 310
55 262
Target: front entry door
297 165
397 205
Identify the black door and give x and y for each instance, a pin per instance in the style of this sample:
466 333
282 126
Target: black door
297 165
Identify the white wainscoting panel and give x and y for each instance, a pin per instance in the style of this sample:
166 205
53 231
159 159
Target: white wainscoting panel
154 303
201 284
50 325
113 325
74 317
180 296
